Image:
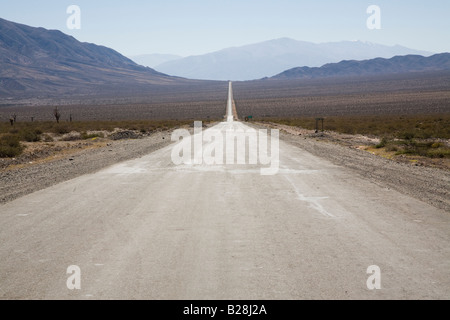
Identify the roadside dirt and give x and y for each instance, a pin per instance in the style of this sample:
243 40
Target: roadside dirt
45 164
430 184
364 143
41 152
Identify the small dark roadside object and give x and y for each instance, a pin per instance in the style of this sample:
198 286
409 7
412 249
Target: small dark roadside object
317 124
57 114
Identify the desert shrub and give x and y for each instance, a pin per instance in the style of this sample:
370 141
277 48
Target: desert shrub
403 127
405 151
61 129
382 144
10 146
424 149
30 136
47 138
406 135
436 145
439 153
391 148
422 134
86 136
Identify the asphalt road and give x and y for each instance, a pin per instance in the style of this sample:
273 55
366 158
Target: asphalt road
150 229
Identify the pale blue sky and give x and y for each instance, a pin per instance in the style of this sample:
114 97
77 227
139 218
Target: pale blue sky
188 27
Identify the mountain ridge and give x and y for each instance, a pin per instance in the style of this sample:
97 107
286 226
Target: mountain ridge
377 66
48 62
154 59
268 58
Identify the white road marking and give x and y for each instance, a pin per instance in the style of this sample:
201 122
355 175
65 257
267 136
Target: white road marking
312 201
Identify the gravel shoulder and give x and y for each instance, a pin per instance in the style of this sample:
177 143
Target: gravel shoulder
21 180
430 185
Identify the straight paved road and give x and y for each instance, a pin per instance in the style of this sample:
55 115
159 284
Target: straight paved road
148 229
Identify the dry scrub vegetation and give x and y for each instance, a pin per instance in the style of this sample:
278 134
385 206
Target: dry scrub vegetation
14 139
401 126
389 95
408 113
420 140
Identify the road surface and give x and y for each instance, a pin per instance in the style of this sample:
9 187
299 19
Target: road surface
230 103
150 229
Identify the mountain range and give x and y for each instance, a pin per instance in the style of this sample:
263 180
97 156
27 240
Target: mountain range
269 58
378 66
37 61
40 63
153 60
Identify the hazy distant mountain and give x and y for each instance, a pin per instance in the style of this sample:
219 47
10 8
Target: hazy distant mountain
378 66
272 57
36 61
152 60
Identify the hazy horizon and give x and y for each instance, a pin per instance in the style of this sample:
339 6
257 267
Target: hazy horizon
198 27
254 43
